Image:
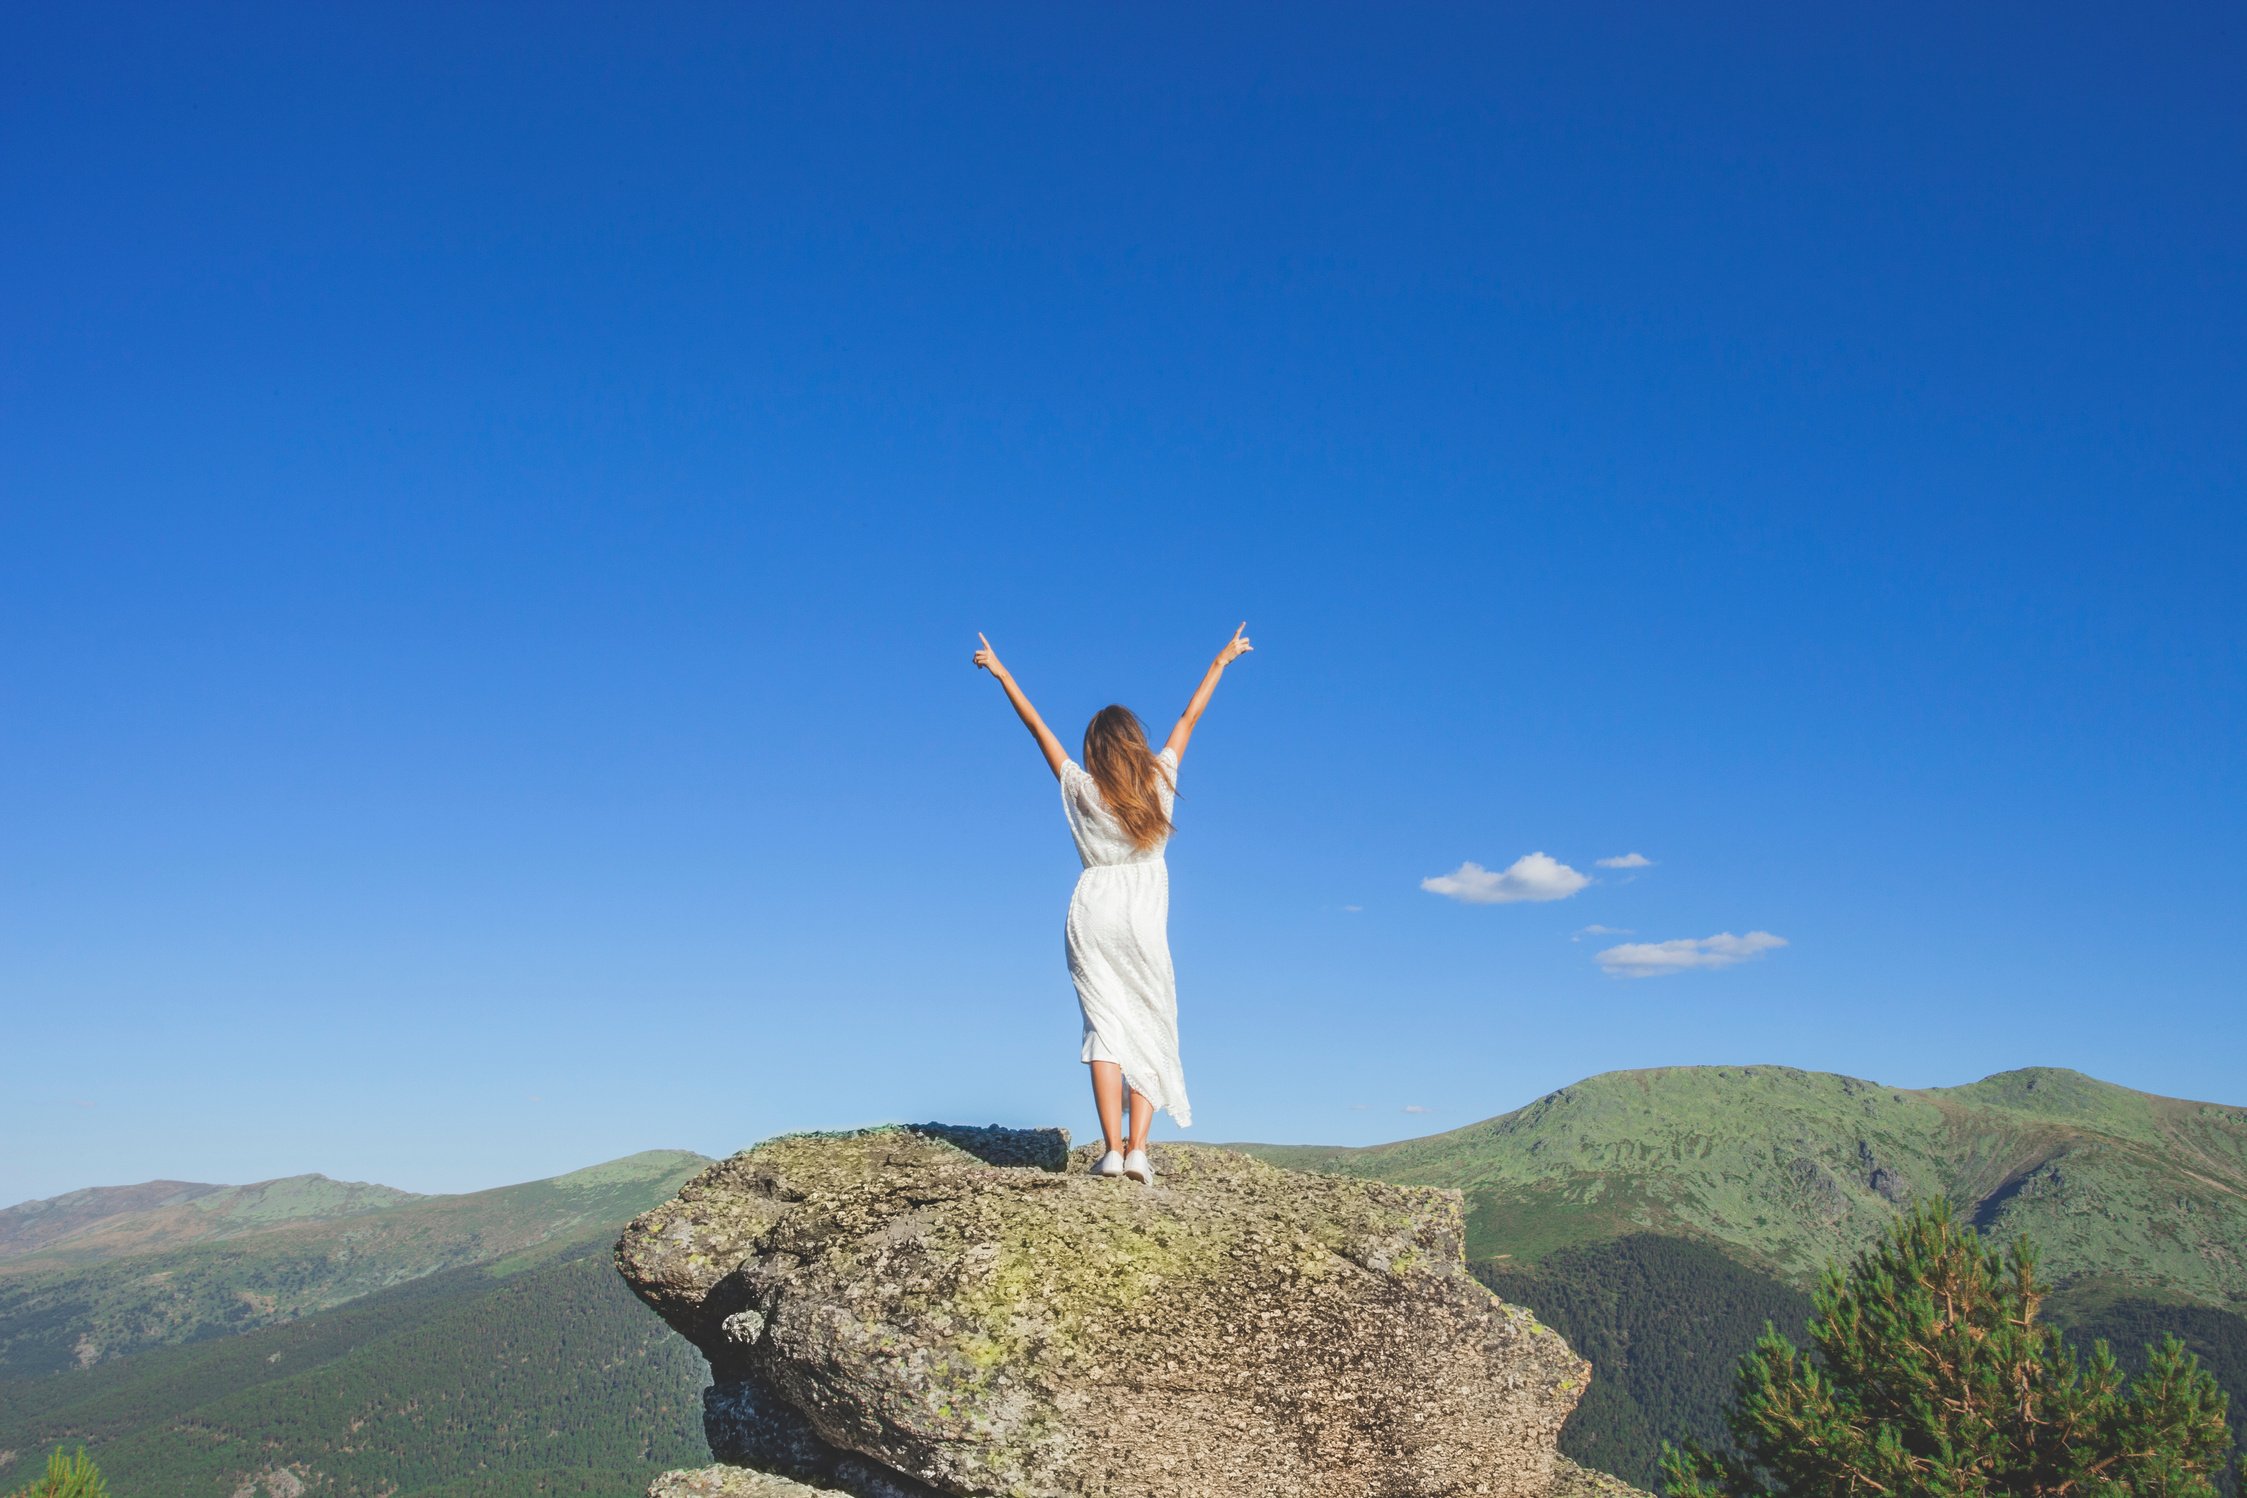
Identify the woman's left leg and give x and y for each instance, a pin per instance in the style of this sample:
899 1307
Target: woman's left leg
1107 1099
1142 1119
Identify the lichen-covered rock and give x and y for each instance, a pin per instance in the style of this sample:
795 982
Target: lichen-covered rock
887 1314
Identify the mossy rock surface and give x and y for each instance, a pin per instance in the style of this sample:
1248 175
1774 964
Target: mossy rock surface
888 1313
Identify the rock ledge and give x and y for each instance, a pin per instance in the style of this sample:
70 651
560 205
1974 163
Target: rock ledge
891 1314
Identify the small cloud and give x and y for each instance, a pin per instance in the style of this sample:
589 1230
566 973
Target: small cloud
1532 877
1359 1107
1415 1108
1353 909
1656 959
536 1098
1625 861
1596 929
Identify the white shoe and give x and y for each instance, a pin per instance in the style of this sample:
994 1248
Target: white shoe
1111 1164
1137 1166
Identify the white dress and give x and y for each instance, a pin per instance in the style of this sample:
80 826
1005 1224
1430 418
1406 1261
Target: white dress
1119 944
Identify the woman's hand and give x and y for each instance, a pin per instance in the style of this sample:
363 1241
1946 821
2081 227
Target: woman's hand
1048 745
1236 647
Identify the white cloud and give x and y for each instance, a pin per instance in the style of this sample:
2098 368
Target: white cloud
1625 861
1415 1108
1596 929
1655 959
1530 877
1353 909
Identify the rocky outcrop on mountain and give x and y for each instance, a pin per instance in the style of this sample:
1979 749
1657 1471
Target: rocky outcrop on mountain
923 1311
1569 1481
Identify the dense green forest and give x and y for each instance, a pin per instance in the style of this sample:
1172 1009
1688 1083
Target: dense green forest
2131 1324
1930 1368
554 1381
1664 1322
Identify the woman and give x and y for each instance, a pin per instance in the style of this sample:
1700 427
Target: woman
1118 804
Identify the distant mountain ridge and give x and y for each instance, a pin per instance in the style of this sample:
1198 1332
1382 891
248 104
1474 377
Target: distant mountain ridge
105 1222
1791 1169
1655 1218
98 1273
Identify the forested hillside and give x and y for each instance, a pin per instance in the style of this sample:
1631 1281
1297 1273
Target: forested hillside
1656 1218
106 1222
553 1381
1664 1321
481 1344
63 1307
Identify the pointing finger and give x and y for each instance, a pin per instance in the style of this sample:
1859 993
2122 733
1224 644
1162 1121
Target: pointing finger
979 636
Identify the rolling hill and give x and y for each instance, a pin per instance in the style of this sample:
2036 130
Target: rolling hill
139 1275
107 1222
550 1381
1789 1169
321 1336
1659 1218
357 1340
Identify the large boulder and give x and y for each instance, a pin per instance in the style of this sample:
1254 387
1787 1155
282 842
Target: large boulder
891 1314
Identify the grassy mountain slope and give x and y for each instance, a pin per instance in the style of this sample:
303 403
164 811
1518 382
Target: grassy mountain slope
480 1344
1656 1218
1790 1169
57 1312
551 1380
107 1222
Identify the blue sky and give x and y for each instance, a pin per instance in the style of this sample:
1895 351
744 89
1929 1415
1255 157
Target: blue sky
496 504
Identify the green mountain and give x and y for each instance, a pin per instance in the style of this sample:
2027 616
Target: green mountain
552 1380
262 1255
1789 1169
107 1222
1658 1218
316 1336
359 1341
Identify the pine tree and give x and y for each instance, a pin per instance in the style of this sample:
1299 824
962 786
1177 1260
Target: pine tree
67 1477
1931 1377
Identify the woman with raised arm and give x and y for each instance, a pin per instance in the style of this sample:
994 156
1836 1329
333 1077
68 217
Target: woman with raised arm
1118 804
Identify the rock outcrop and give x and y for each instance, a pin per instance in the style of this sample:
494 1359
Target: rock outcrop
912 1312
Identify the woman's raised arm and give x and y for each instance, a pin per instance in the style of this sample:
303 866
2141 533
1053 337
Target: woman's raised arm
1048 745
1235 648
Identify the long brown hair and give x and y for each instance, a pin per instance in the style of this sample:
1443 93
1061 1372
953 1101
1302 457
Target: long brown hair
1128 774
